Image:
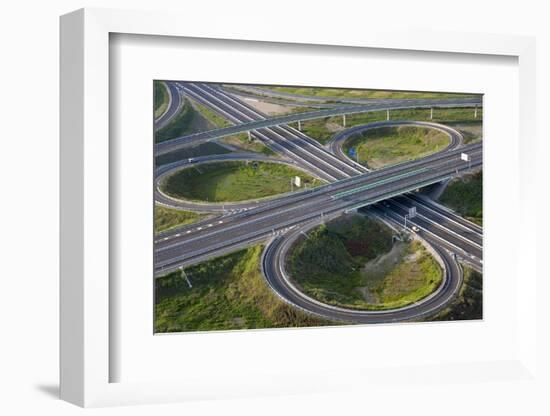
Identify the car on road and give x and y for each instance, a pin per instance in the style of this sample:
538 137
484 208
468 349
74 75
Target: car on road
415 229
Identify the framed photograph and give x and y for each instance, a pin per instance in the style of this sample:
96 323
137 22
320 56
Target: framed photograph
281 212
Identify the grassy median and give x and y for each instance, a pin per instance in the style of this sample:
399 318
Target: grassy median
168 218
462 119
465 196
469 302
384 146
352 262
161 98
227 293
233 181
179 125
351 93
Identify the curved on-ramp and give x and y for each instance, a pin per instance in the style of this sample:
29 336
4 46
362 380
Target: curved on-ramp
273 269
335 144
164 171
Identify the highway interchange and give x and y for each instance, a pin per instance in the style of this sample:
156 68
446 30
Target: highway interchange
277 222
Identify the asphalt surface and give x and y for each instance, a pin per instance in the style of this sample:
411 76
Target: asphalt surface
281 139
175 250
337 141
278 279
351 189
198 90
174 105
165 171
265 92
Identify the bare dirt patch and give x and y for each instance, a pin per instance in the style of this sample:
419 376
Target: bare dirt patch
270 109
374 271
471 131
333 127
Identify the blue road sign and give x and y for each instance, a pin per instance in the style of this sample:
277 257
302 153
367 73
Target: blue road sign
351 151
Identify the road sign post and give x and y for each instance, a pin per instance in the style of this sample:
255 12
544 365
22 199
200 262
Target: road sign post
466 157
353 153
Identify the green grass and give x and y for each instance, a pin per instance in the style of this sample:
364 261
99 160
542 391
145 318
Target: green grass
328 266
384 146
239 140
242 142
211 116
353 93
323 129
318 129
178 126
465 196
410 280
233 181
192 117
469 302
168 218
161 98
471 131
228 293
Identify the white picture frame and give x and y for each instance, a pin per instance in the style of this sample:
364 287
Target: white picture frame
85 216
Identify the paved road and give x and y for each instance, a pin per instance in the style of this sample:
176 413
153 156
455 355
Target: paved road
353 189
317 156
336 143
175 250
273 262
164 171
451 230
257 124
316 99
174 105
280 138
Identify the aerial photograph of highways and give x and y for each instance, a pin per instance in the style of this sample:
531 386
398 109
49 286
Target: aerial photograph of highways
289 206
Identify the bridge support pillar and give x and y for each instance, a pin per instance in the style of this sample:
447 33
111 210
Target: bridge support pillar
343 120
249 136
431 113
475 111
387 114
299 125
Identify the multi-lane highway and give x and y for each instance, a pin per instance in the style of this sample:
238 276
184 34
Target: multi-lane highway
350 187
215 99
340 196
